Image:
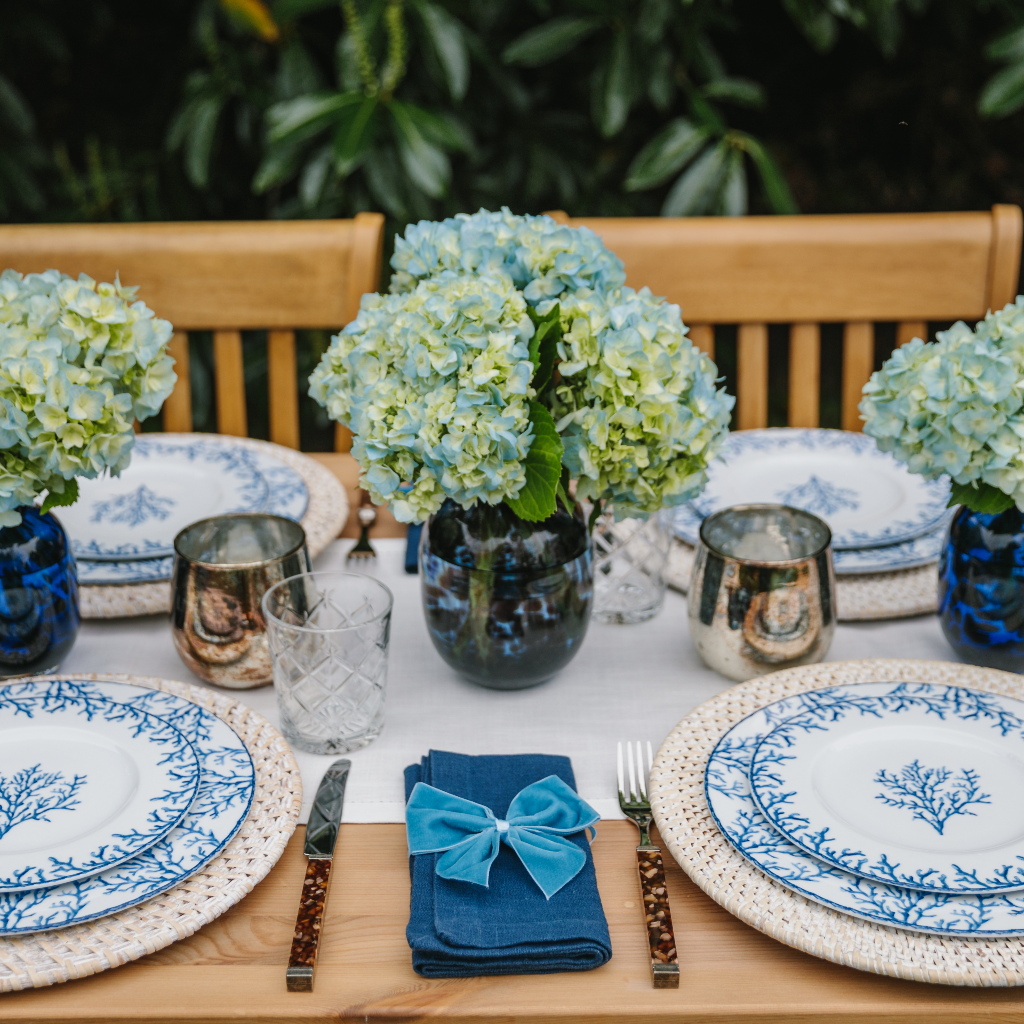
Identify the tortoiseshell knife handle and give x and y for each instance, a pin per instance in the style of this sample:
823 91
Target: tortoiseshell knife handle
660 935
308 926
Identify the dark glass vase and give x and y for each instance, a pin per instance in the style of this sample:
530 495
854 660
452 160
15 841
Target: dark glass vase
981 588
38 595
507 601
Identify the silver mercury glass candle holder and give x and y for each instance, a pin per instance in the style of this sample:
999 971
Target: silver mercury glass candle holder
762 595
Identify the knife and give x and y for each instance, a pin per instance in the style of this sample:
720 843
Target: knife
321 835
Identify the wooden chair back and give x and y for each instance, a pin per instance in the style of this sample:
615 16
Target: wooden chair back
224 277
802 271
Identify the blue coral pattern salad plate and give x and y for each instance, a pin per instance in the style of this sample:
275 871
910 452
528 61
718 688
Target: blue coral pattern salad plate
867 498
727 787
86 783
168 485
918 788
220 807
287 495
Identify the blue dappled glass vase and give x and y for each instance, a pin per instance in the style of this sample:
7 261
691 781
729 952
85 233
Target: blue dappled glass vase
507 601
981 588
38 595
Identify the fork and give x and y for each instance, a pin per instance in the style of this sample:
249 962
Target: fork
362 551
636 806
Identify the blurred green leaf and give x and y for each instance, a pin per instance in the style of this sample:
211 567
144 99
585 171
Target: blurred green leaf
279 164
297 73
819 26
14 108
698 187
734 191
292 10
354 134
614 88
306 115
651 20
445 33
666 154
314 177
1003 92
1007 47
772 178
739 90
426 165
547 42
441 128
980 497
381 168
198 144
661 87
60 499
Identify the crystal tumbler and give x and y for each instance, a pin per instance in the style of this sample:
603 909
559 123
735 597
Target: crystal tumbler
630 557
329 634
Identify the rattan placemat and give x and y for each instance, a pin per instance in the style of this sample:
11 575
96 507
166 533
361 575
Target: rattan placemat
46 958
325 516
687 827
881 595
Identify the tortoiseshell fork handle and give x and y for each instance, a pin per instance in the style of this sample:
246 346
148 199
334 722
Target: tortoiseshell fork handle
308 926
664 962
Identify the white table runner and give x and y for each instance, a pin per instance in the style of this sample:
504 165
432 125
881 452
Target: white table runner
627 682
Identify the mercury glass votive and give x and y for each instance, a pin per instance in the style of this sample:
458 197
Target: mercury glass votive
762 595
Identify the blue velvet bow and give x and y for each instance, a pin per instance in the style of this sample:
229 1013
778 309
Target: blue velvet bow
469 835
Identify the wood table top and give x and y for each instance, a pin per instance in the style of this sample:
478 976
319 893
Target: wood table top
233 969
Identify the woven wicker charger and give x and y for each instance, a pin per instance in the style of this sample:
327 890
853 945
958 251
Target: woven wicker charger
46 958
862 598
686 825
325 516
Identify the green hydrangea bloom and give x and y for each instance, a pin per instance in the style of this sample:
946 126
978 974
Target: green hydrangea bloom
954 406
79 362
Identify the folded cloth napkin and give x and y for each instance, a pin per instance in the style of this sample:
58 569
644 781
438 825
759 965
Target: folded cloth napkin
459 929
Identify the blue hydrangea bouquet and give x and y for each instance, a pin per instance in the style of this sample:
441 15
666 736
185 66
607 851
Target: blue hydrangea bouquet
509 358
79 363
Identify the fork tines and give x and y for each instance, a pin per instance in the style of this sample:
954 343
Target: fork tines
638 775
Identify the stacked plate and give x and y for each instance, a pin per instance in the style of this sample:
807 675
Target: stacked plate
122 528
897 803
883 518
110 794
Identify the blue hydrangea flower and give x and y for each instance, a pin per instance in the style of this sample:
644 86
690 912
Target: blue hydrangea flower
954 406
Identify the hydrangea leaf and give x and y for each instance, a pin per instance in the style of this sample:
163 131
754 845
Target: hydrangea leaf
543 465
67 497
544 347
981 498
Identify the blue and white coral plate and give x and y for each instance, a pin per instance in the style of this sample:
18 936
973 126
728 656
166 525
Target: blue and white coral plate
727 788
86 784
287 495
867 498
919 787
215 815
170 483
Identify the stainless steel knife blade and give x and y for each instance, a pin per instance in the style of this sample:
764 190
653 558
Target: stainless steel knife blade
321 835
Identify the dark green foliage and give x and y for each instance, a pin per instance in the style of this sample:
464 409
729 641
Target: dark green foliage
58 499
543 466
980 497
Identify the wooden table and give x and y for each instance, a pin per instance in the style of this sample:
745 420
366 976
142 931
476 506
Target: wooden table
233 969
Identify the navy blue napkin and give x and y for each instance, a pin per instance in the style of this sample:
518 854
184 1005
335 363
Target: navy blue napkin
460 930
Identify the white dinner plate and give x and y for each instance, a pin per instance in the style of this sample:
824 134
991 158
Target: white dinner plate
85 784
215 815
867 498
727 786
288 496
167 486
920 790
909 554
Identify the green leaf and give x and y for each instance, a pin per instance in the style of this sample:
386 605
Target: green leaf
297 73
698 187
666 154
734 192
314 177
289 10
279 164
1007 47
382 178
544 347
58 500
613 100
440 128
354 135
772 178
819 26
199 141
306 115
1003 92
543 465
15 109
427 166
980 497
547 42
661 86
445 34
739 90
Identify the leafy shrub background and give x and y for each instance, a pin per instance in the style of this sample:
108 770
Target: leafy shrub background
193 109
